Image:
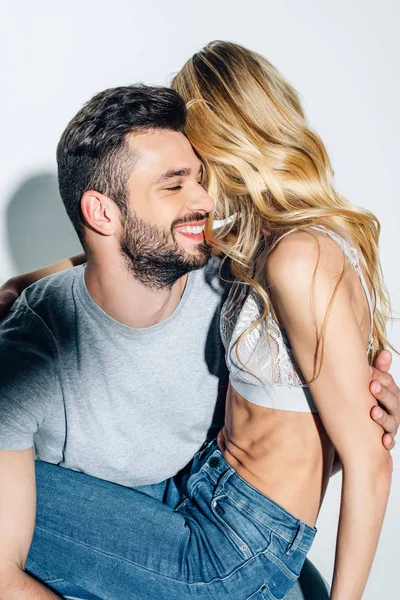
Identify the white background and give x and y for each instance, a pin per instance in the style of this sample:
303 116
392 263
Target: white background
342 56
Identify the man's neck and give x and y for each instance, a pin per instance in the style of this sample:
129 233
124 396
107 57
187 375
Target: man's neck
126 299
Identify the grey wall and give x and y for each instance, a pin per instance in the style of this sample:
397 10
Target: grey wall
342 56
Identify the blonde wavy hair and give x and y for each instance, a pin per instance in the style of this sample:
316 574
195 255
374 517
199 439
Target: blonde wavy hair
263 163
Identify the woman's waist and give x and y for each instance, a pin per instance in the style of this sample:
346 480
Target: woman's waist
294 475
211 473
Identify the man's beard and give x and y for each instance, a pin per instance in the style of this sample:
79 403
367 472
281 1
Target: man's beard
153 255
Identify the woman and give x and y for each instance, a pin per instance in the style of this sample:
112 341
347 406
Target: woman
306 313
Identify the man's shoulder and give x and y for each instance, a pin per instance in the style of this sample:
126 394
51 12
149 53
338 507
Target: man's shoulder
49 295
40 306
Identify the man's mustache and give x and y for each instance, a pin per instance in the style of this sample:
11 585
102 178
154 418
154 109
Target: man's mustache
192 218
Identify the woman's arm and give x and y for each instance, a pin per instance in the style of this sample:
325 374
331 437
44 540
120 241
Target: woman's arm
301 294
13 288
22 281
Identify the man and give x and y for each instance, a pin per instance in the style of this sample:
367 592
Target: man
113 370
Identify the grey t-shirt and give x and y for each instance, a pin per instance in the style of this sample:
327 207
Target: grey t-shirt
128 405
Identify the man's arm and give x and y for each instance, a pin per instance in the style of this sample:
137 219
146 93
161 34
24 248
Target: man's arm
29 392
17 522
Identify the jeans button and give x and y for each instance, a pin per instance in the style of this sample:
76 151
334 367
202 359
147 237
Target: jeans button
214 462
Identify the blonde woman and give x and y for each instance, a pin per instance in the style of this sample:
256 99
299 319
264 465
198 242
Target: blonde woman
307 315
303 321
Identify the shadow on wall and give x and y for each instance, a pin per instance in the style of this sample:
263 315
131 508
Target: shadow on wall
38 229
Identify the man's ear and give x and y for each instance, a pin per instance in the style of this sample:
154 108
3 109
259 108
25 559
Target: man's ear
100 213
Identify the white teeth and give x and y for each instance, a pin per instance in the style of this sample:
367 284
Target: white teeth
194 229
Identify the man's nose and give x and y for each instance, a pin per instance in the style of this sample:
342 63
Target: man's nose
200 201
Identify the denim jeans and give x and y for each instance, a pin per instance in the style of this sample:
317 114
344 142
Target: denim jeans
205 535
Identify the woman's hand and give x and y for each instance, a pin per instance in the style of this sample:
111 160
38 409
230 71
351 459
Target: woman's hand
9 292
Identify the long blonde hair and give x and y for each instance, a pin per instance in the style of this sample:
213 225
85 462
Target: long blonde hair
263 162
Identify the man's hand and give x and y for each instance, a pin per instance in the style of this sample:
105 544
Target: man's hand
9 292
385 390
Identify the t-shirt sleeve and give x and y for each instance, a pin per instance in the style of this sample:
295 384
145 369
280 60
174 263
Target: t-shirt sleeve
29 379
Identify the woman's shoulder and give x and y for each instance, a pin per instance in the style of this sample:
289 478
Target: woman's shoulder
300 254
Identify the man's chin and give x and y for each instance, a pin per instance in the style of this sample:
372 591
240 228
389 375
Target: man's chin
199 257
198 250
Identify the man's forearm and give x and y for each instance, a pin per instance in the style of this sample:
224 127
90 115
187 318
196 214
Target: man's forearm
15 584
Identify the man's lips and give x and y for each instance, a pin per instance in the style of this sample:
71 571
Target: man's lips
193 230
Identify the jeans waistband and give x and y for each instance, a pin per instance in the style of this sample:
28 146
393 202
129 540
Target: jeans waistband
252 501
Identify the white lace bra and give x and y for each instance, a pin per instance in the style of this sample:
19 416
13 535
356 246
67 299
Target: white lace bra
261 365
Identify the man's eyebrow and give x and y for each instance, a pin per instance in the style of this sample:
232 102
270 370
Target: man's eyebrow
172 173
185 172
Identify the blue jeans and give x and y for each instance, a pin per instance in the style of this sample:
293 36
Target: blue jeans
204 535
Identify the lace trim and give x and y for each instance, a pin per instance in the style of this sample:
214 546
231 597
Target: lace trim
263 355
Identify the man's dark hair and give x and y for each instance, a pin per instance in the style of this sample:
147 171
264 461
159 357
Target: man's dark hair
93 153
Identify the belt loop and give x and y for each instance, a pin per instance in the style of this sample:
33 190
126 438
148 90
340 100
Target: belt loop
297 539
219 490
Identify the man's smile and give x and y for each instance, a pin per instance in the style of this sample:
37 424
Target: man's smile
193 231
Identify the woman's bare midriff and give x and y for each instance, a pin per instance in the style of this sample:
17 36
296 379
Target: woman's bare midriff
285 455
